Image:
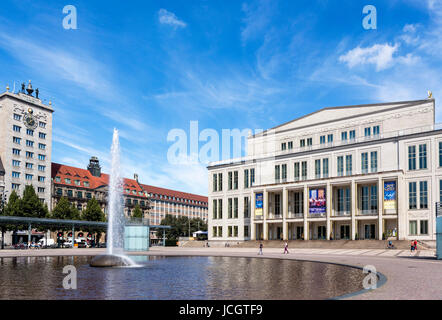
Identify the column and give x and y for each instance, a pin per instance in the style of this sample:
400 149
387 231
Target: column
401 200
380 208
266 209
306 231
328 211
285 204
252 217
354 201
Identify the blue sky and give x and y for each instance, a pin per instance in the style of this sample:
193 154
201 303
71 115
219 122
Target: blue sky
147 67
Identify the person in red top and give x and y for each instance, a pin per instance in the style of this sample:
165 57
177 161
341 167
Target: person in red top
415 245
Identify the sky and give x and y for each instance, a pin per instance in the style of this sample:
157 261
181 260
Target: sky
150 67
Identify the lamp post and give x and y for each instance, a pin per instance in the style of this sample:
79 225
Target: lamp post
2 211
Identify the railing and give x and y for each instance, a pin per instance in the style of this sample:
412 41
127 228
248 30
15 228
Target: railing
316 215
341 213
385 135
369 212
275 216
295 215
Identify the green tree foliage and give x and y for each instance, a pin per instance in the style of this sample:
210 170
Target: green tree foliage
31 206
137 213
93 212
65 211
12 208
180 226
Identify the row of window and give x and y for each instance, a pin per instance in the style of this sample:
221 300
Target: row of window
28 176
232 231
18 118
70 193
249 180
345 135
16 163
16 187
232 208
29 143
29 154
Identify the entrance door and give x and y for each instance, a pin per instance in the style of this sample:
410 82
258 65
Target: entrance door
345 232
278 233
321 232
370 231
299 232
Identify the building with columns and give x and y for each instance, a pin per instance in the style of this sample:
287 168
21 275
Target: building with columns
354 172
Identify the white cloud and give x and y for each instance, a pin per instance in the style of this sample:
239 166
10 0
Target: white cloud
380 55
167 17
257 18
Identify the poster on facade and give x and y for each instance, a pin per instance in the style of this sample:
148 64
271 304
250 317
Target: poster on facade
258 204
317 201
390 195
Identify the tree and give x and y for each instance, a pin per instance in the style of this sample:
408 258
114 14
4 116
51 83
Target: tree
93 212
180 226
9 209
65 211
137 213
30 204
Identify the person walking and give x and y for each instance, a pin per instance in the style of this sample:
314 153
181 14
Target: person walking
412 246
286 248
415 245
260 249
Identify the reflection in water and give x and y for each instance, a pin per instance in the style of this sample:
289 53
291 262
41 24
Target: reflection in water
177 278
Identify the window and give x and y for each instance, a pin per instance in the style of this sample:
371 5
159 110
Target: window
15 174
246 207
376 130
41 157
235 231
88 195
229 208
367 132
220 208
277 173
57 179
374 198
364 162
412 158
235 208
41 146
246 231
374 161
348 165
413 228
15 186
284 173
80 195
296 171
246 178
29 155
17 117
317 169
15 163
214 232
302 143
40 190
229 231
77 182
344 136
277 204
28 176
440 191
16 152
423 195
283 146
325 168
67 180
252 177
29 132
322 139
352 134
29 165
220 182
422 156
330 138
16 140
299 202
42 135
41 179
340 166
304 170
230 180
29 143
290 145
344 199
59 192
412 195
16 128
42 124
309 141
235 180
424 227
215 182
440 154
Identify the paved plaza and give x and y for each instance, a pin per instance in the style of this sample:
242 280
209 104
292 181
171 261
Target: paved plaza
408 275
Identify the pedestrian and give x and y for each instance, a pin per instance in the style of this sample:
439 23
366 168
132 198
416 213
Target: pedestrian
412 246
286 248
260 249
415 245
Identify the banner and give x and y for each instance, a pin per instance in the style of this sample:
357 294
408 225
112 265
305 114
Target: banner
390 195
258 204
317 201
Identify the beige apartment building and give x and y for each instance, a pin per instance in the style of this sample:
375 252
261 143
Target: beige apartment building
354 172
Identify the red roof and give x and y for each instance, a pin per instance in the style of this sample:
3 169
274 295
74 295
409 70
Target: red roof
183 196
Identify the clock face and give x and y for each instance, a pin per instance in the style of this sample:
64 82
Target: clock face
30 121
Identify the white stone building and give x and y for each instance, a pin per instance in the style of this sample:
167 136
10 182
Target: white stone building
354 172
26 142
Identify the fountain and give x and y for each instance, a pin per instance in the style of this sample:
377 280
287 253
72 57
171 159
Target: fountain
114 247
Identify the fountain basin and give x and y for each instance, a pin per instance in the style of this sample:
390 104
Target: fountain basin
111 260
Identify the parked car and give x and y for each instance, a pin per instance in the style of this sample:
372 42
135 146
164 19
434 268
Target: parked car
43 243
